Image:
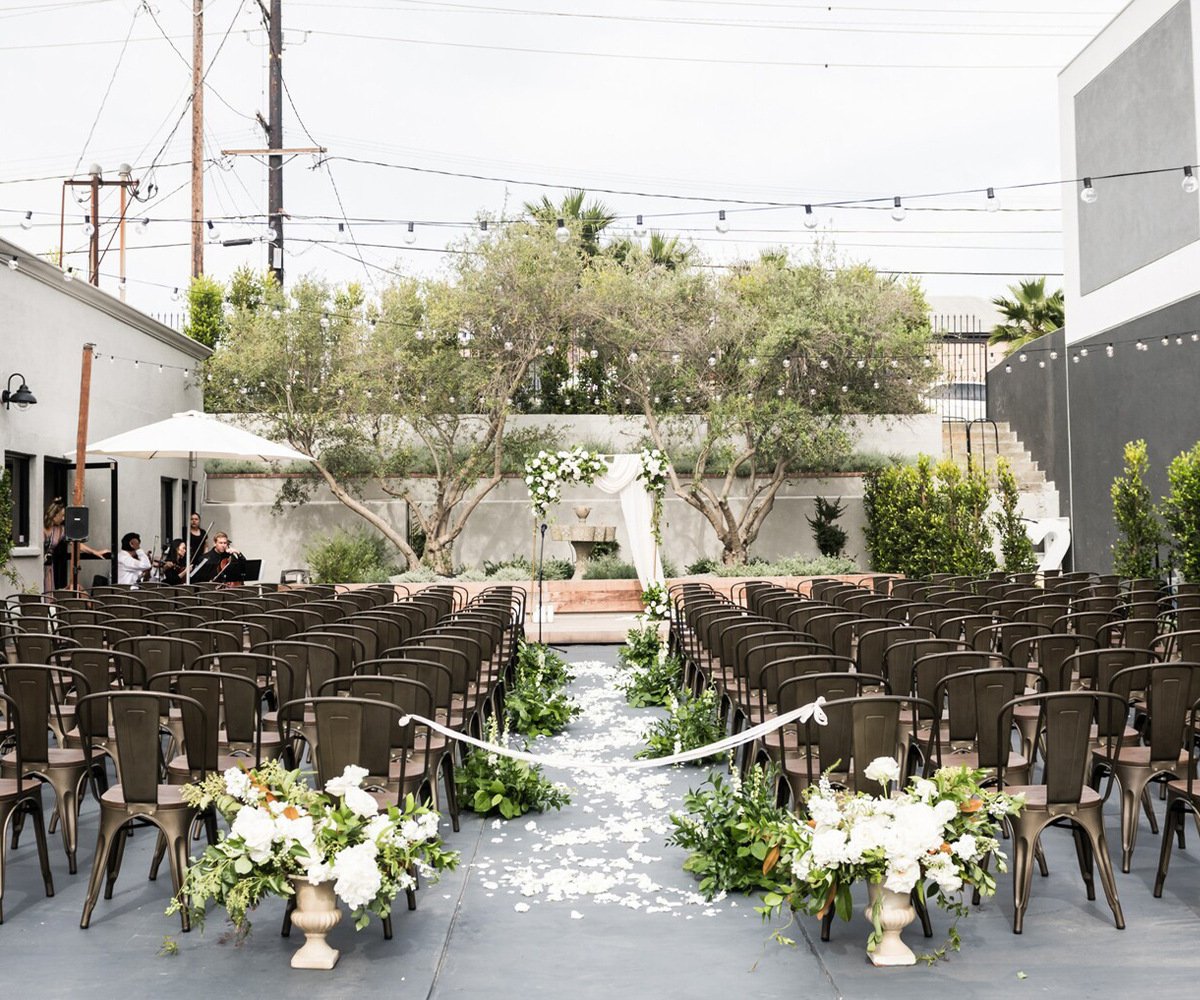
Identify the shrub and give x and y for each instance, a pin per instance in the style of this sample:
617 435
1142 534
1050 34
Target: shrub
703 565
830 539
349 557
651 676
731 831
491 783
1182 512
792 566
537 703
1015 547
609 568
1135 552
924 519
691 723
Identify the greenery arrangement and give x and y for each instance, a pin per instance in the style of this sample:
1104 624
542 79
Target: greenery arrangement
830 538
651 677
1016 550
692 721
537 703
1135 552
281 827
927 519
349 557
656 603
547 472
1181 510
490 783
731 830
934 835
653 475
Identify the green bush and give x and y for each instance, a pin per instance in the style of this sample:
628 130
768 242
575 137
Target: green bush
609 568
518 568
792 566
537 703
691 723
650 676
703 565
1135 552
927 519
489 783
349 557
1181 510
1015 547
830 539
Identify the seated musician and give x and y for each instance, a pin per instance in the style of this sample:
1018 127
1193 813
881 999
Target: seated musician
219 564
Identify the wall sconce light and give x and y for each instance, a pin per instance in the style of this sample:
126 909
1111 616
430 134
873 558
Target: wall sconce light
22 397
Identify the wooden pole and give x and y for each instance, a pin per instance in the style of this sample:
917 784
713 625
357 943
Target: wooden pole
85 396
197 138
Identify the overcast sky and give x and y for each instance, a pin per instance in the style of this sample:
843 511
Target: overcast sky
732 104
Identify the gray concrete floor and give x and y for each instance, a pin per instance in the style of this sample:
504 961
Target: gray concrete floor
589 902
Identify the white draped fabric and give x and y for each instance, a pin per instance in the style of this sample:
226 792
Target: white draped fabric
638 508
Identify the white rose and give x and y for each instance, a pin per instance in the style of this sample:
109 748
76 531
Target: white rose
351 777
379 829
924 789
965 847
299 830
828 848
902 875
361 803
358 879
945 811
237 783
317 871
257 830
882 770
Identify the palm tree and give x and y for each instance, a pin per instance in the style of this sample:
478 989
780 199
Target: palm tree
593 218
1029 314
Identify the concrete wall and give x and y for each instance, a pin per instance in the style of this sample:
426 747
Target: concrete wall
502 526
44 323
1128 102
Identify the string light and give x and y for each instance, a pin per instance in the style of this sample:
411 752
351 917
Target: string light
722 224
214 232
561 232
410 236
639 228
27 222
810 218
993 203
13 263
1088 194
142 225
1189 183
1108 350
87 228
898 211
69 274
342 235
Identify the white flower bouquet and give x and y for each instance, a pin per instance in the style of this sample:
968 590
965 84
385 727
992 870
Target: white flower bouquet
549 471
281 827
656 603
935 836
654 475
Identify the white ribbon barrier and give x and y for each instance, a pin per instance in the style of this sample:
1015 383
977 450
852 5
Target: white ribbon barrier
805 713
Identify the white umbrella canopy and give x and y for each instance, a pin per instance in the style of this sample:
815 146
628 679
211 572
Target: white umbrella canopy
193 435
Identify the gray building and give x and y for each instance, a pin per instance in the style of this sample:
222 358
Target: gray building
1128 364
142 371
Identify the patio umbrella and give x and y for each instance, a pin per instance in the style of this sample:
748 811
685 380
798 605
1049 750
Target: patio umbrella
193 435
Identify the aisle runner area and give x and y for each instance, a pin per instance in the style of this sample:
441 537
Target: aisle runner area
607 847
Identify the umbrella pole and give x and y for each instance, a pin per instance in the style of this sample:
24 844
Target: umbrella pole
187 539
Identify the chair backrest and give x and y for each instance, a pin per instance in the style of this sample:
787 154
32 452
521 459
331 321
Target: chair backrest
312 663
347 648
135 719
874 640
210 640
367 638
161 652
350 731
411 696
36 689
93 636
900 656
777 672
437 677
973 701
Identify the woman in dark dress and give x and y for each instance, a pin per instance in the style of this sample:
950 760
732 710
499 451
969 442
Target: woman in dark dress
174 563
56 550
197 539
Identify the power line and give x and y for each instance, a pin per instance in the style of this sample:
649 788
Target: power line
108 90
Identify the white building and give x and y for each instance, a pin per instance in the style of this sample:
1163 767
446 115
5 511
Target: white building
142 371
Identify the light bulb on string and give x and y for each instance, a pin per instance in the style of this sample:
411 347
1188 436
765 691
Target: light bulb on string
639 228
1109 351
722 223
87 228
174 294
1008 369
1087 193
275 314
1140 345
142 225
898 210
1022 357
13 263
213 231
561 232
1178 341
483 227
1075 359
1189 183
1041 364
810 217
343 234
993 203
27 222
1054 355
69 274
1195 337
875 384
1166 341
410 235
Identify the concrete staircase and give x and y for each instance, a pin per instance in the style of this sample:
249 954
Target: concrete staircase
1039 497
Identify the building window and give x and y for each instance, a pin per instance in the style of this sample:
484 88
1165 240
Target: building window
168 509
56 481
16 466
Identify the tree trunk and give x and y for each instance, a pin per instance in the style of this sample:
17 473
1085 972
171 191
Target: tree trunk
736 551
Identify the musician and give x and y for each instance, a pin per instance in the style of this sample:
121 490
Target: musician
133 565
219 563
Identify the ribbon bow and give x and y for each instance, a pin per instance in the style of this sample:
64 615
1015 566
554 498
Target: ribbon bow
814 711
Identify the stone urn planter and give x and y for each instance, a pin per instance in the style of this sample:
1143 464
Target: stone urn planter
316 914
895 913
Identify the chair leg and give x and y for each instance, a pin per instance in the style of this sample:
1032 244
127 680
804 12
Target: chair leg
1173 818
1149 810
447 768
110 828
39 833
1084 854
1134 792
1092 824
1025 843
160 852
115 857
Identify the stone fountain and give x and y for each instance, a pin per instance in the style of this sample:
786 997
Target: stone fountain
583 538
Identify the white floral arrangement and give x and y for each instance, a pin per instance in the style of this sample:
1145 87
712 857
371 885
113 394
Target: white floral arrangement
656 604
932 836
549 471
280 828
654 475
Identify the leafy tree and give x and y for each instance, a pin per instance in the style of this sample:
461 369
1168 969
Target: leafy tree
206 311
1029 314
1182 512
1016 549
761 366
829 536
1135 552
434 366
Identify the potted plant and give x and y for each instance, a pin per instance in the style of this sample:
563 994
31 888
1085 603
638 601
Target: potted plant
934 837
289 839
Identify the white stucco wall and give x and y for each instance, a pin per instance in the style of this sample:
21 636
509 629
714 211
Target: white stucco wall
44 323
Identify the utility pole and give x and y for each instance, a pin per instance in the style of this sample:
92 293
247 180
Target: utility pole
197 138
275 137
94 183
85 397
